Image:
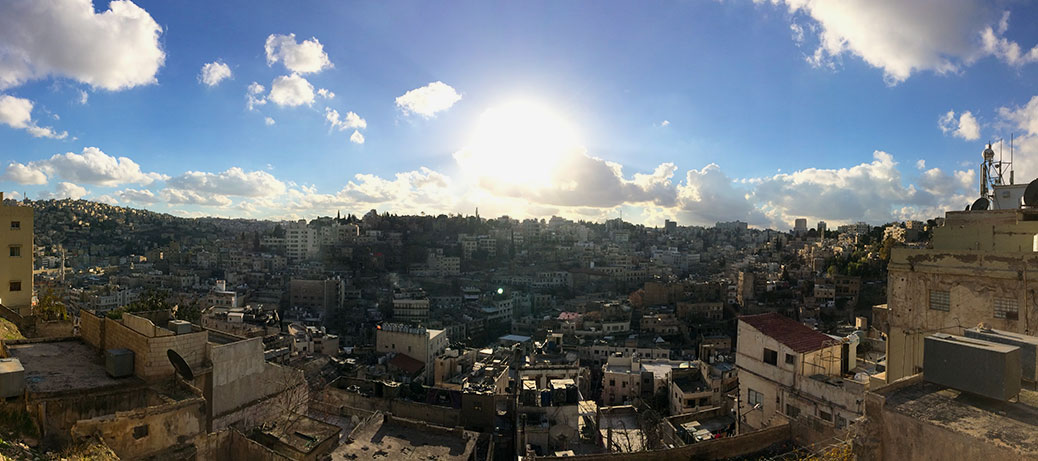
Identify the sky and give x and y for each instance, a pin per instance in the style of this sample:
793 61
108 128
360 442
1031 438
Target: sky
694 111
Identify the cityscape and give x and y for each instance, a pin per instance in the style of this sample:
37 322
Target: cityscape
481 231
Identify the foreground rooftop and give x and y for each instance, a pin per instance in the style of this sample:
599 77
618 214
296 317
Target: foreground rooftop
1012 425
58 366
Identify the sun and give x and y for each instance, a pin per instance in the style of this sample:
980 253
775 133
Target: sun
520 142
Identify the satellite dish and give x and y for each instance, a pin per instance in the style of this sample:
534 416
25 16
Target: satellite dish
183 369
980 204
1031 194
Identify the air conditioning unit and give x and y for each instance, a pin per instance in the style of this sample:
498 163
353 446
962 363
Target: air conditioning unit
1028 347
119 363
12 378
972 365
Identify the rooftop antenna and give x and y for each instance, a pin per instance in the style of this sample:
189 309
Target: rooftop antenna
1011 158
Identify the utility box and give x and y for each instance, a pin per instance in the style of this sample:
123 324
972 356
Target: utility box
972 365
1028 347
119 363
179 327
12 378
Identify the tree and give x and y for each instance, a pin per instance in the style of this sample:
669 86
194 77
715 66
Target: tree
50 306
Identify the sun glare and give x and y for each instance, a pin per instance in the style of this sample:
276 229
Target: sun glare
520 142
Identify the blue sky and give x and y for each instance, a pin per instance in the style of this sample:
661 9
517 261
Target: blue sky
697 111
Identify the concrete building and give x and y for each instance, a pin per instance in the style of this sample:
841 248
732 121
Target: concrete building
16 240
419 343
410 306
980 269
790 371
320 296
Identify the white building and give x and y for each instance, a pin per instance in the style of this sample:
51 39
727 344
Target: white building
788 370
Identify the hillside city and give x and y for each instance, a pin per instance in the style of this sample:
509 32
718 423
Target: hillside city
537 230
149 336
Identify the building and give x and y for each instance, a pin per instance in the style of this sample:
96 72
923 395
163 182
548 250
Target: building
419 343
979 270
410 306
800 226
16 238
301 241
790 371
320 296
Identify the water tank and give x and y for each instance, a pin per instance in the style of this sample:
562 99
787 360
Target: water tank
179 327
119 363
12 378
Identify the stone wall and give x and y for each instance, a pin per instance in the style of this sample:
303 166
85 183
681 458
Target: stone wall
90 328
332 397
59 413
144 431
150 360
728 447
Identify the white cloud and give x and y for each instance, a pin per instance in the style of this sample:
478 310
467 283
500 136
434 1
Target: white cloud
115 49
965 126
1024 118
356 137
17 113
213 73
138 196
428 100
234 181
904 37
665 123
95 167
83 97
920 164
187 197
23 174
325 93
303 58
252 96
351 121
291 90
268 121
66 190
1004 49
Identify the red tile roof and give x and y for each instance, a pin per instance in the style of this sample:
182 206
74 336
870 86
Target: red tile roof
792 334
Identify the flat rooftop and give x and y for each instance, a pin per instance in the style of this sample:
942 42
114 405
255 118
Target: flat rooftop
64 366
1013 424
385 438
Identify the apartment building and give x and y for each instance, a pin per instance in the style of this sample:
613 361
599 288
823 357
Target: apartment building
16 240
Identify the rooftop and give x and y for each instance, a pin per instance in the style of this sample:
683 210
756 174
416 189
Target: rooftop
794 335
384 437
1011 424
58 366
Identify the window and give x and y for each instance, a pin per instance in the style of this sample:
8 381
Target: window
825 415
1006 308
841 422
770 357
792 412
940 300
790 359
15 225
754 397
623 385
612 382
15 286
140 431
16 250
